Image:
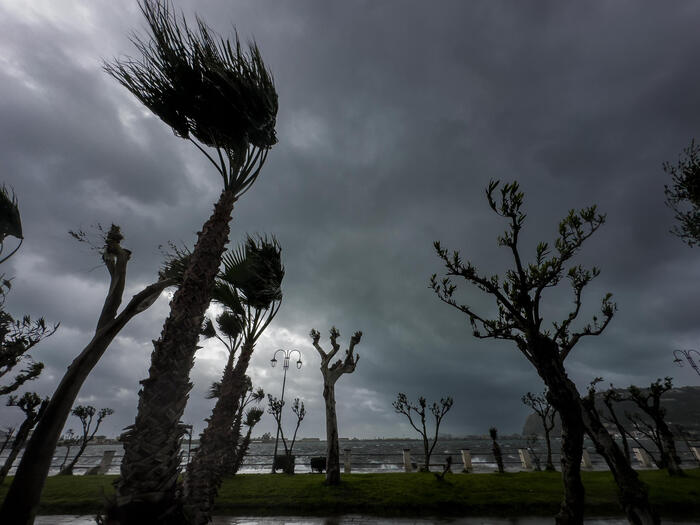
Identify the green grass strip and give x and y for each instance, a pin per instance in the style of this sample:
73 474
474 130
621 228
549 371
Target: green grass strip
397 494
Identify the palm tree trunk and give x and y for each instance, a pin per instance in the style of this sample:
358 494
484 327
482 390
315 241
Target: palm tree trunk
150 468
332 445
206 471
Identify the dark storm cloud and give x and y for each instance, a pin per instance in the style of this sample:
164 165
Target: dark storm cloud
393 117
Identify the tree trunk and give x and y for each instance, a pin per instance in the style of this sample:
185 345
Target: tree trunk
68 470
632 493
147 487
548 440
332 445
669 452
206 471
18 443
22 499
564 397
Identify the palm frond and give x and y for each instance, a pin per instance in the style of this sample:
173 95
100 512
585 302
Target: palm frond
10 221
230 324
199 83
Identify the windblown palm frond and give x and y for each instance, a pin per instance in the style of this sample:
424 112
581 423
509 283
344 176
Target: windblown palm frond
230 324
257 275
10 221
205 87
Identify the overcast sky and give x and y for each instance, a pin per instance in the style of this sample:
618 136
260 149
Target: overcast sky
393 117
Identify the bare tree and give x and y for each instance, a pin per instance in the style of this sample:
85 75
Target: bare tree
403 406
85 413
518 298
275 407
68 439
546 412
331 373
648 400
24 493
33 407
683 196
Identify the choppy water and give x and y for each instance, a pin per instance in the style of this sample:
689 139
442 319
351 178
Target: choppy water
365 455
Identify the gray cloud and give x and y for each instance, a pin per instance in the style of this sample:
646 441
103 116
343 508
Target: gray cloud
393 117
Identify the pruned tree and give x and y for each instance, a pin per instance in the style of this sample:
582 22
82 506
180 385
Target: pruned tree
275 407
496 449
331 373
24 493
222 99
33 407
648 400
403 406
249 287
85 413
518 296
546 412
68 440
683 196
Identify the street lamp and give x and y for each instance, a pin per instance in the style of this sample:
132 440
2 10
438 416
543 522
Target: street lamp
688 357
285 365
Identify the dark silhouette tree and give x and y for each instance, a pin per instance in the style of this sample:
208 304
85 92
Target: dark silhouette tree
648 400
24 493
222 99
610 397
85 413
403 406
331 373
496 449
10 221
32 406
68 440
9 432
518 298
683 196
252 418
17 336
546 412
275 407
250 289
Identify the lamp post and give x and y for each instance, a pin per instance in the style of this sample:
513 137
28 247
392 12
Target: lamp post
688 357
285 365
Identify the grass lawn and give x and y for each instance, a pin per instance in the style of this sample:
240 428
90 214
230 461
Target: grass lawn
396 494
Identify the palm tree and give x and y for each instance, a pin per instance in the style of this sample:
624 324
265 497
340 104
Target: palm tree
223 100
249 287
